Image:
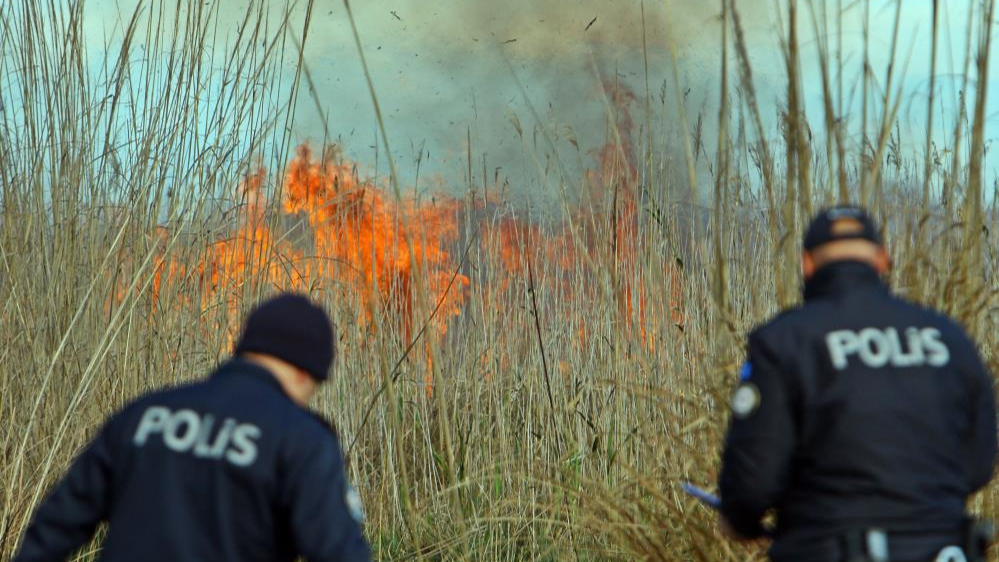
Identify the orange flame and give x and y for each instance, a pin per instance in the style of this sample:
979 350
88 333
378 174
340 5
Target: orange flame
387 257
377 247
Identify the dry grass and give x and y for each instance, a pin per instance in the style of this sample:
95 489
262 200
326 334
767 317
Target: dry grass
568 398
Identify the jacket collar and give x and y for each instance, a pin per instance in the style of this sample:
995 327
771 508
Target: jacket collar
842 278
239 367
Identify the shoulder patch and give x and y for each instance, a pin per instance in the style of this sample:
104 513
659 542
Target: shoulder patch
745 400
353 501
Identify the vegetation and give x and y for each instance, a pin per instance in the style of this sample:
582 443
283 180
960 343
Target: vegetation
520 387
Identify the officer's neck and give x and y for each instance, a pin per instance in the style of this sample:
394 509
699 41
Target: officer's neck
842 277
295 383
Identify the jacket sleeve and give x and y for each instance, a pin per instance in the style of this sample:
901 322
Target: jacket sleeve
324 510
68 517
982 445
759 443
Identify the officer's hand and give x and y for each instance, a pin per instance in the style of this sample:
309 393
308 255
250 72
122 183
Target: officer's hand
726 530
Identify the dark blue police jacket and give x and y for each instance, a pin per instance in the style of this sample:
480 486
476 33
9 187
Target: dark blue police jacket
225 469
858 410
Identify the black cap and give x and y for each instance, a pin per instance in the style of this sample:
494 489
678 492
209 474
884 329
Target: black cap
293 329
840 223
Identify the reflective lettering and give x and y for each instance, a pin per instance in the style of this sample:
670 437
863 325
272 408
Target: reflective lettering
244 450
939 355
879 347
841 344
186 431
915 341
202 447
153 421
874 350
900 356
182 431
222 440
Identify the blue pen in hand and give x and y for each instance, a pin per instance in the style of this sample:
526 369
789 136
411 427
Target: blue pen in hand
701 495
713 502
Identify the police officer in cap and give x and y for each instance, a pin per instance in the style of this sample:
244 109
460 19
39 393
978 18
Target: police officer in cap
232 468
862 420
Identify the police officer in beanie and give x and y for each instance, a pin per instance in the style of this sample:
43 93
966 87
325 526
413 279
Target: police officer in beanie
862 420
230 468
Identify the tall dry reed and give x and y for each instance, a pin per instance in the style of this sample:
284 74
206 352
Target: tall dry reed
554 418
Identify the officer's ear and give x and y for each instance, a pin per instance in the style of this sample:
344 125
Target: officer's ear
807 265
304 377
882 261
312 382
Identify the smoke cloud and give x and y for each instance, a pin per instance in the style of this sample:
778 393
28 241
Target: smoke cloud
450 74
476 79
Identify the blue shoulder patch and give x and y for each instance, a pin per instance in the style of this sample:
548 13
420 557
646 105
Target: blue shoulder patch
746 372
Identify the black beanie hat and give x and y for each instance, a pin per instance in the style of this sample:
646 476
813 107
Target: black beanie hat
293 329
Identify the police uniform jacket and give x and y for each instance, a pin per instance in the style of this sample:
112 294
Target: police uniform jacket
225 469
857 410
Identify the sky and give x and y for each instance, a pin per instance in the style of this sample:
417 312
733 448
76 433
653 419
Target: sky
459 76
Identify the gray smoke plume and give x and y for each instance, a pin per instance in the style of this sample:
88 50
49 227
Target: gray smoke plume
466 85
478 77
